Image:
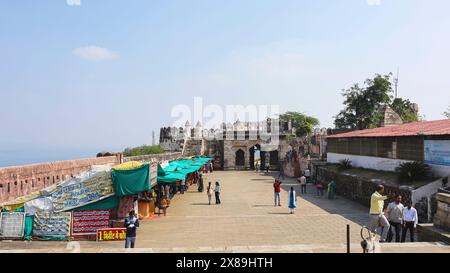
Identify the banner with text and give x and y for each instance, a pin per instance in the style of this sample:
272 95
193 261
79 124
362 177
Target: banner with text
87 222
437 152
12 225
111 234
52 224
78 194
153 174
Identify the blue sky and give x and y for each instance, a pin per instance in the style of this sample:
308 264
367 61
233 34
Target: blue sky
76 79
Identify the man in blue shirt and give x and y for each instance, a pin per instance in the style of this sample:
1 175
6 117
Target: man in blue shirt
131 223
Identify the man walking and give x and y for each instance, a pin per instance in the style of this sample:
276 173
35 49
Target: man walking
302 181
281 174
376 213
277 190
395 218
410 221
131 223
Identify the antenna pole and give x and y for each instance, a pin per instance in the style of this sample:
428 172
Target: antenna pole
396 82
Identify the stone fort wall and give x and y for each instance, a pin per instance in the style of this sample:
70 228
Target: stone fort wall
23 180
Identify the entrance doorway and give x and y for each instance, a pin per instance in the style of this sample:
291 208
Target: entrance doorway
240 158
254 156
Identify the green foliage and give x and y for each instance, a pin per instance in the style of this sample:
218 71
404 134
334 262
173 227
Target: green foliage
302 123
143 150
447 113
363 104
345 164
405 110
413 171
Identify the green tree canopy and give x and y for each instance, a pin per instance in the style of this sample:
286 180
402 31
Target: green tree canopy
363 104
405 109
302 123
143 150
447 113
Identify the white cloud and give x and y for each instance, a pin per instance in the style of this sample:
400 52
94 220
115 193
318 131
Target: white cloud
73 2
94 53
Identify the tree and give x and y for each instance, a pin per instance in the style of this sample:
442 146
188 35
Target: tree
363 104
405 109
143 150
447 113
302 123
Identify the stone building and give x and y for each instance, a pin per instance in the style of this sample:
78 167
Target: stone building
239 145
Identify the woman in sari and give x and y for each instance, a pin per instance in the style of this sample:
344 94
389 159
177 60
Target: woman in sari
200 183
292 200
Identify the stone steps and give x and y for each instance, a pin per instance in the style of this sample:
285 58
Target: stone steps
420 247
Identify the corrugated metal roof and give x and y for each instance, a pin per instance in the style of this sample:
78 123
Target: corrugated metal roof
427 128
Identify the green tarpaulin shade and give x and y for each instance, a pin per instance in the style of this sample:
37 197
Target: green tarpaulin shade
202 159
177 170
171 177
28 229
129 182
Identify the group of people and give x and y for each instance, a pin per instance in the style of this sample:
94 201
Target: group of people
396 218
216 190
210 190
292 196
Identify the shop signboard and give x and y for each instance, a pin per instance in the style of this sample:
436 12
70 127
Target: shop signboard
437 152
111 234
67 197
12 225
52 224
87 222
153 174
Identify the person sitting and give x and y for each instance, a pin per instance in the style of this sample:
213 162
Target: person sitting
163 205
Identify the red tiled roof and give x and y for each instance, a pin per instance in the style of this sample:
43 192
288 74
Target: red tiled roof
428 128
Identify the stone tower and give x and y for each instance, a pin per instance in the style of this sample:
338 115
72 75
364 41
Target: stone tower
389 117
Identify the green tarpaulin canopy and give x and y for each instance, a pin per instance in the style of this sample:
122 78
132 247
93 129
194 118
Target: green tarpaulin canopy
203 159
178 169
128 182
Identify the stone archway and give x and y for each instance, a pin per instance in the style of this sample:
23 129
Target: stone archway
240 159
274 159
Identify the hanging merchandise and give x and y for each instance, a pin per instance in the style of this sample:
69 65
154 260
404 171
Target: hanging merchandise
126 204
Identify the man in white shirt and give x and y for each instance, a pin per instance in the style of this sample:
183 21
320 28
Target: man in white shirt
302 181
395 218
307 175
410 220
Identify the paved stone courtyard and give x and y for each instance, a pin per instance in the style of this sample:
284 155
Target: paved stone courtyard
246 221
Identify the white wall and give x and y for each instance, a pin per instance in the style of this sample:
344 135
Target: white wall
382 164
440 170
368 162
